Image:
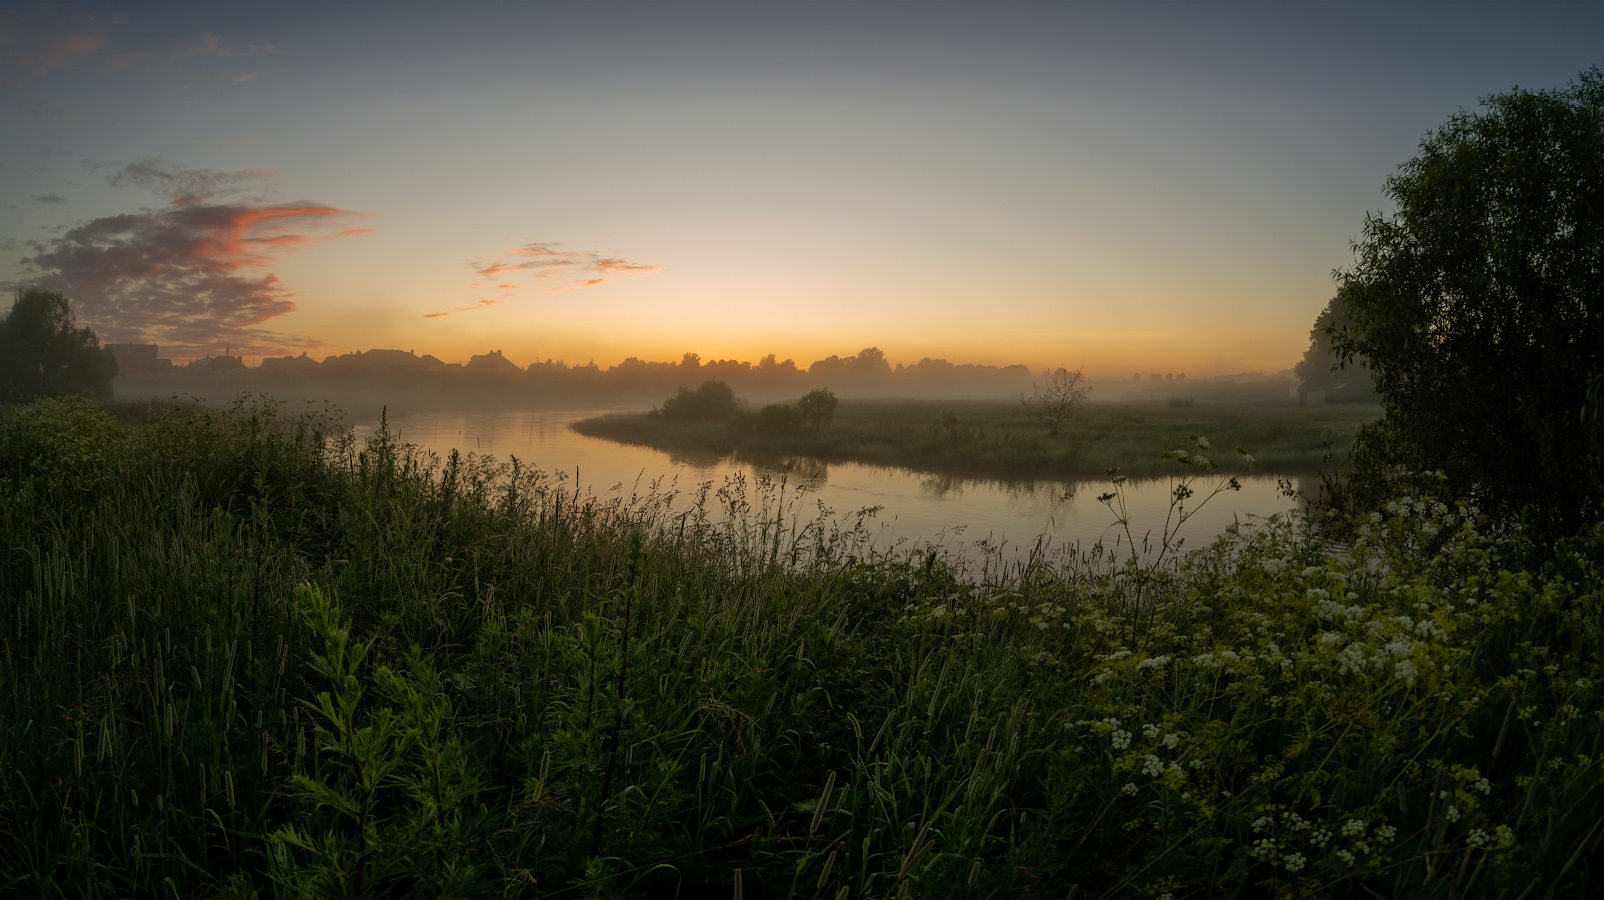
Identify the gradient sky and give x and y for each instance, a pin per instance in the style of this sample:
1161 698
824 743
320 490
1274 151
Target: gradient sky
1130 186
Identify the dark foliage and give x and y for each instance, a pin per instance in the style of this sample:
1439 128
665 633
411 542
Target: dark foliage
44 353
1478 305
817 408
1320 369
714 401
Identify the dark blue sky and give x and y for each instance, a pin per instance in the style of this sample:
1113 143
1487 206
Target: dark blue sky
1162 186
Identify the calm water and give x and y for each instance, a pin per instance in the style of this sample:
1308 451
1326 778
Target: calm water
963 514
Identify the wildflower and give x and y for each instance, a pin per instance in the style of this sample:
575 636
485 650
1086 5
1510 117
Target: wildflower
1353 827
1453 813
1170 741
1263 847
1153 767
1122 739
1319 838
1386 832
1129 788
1261 823
1583 683
1503 836
1478 838
1150 731
1294 861
1345 856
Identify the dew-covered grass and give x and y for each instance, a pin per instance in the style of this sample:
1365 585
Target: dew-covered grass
243 656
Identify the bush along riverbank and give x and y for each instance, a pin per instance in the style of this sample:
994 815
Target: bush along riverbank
246 657
999 439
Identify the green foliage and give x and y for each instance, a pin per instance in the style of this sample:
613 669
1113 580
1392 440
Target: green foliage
775 418
1477 303
43 352
817 407
714 401
276 663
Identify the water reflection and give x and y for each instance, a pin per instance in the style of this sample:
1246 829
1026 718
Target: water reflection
978 518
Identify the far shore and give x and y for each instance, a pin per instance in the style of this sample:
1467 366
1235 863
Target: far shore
998 440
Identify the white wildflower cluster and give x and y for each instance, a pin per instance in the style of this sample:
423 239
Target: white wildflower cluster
1153 766
1155 662
1478 838
1121 739
1320 837
1294 861
1346 857
1353 828
1129 788
1150 731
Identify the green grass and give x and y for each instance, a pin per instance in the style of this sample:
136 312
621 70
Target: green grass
242 656
998 440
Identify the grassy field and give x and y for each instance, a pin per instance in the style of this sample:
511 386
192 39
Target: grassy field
997 439
245 657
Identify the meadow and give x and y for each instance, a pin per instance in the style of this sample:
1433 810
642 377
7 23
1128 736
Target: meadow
998 439
245 656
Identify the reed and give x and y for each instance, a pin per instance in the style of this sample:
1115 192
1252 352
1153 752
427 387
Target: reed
245 656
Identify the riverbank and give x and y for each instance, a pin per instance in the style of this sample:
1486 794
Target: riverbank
998 440
243 659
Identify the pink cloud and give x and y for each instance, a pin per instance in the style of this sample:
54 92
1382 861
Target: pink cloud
547 262
190 274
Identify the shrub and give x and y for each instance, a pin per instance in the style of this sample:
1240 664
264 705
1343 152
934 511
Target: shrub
714 401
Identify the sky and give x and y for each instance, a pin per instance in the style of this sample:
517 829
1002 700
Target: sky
1124 187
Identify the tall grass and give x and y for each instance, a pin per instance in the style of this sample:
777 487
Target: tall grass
244 656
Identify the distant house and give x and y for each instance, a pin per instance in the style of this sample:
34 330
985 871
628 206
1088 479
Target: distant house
218 365
138 359
289 366
379 364
492 365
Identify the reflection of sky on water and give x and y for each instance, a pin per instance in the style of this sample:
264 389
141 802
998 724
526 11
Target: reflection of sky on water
916 507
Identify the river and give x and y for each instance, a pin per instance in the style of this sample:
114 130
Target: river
980 520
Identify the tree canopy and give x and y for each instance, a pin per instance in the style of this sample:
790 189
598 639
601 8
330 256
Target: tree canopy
44 352
1477 304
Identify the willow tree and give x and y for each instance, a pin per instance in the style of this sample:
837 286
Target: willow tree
1477 304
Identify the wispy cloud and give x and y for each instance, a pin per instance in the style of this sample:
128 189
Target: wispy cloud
574 287
459 309
185 187
191 273
546 261
50 198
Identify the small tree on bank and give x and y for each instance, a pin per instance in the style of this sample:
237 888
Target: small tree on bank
817 408
44 353
1058 400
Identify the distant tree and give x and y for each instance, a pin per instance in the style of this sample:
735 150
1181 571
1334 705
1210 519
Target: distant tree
1057 400
43 352
1480 306
870 363
1316 371
817 408
714 401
